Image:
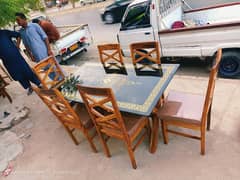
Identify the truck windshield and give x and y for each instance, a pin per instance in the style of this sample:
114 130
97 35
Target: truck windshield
137 16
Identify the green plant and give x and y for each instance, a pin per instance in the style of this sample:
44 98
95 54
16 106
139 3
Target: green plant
8 8
70 84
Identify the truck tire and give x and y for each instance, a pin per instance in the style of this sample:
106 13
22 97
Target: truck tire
109 18
230 64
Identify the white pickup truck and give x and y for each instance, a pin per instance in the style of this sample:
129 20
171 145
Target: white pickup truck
73 39
180 33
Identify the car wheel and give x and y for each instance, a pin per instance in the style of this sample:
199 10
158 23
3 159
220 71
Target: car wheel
230 64
109 18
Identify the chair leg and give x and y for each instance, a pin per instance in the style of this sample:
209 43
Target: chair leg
154 135
203 142
71 135
85 132
164 131
148 129
131 155
209 118
4 93
104 144
7 74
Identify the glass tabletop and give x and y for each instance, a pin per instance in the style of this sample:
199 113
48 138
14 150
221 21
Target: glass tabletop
136 90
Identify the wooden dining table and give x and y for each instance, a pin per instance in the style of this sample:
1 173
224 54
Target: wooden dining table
135 91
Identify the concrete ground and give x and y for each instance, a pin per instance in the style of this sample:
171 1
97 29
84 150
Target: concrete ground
49 153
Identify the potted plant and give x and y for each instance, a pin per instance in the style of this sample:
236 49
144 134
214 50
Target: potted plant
69 87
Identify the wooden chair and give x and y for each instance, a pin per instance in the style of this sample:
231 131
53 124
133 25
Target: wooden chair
190 110
3 91
72 118
145 51
110 52
49 72
110 122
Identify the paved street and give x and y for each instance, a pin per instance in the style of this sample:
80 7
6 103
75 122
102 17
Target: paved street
102 33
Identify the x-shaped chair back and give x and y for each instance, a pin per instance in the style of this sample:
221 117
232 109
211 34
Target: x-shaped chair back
145 51
103 109
49 72
59 106
67 115
110 52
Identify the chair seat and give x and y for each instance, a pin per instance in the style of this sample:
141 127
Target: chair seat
82 112
180 106
133 123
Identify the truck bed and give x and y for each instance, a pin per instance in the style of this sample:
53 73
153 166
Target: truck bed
74 39
212 28
225 13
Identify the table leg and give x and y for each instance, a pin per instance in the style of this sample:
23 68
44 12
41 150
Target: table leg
154 135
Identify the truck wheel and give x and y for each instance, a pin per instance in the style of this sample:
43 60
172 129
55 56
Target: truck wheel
109 18
230 64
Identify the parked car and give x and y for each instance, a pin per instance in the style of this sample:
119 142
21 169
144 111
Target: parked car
61 2
84 2
114 12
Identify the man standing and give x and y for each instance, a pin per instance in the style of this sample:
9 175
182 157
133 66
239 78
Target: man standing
34 39
51 31
14 62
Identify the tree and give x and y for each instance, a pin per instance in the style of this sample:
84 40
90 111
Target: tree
8 9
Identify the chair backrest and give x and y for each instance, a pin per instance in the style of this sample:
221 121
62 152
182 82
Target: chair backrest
145 51
103 109
59 106
49 72
110 52
211 86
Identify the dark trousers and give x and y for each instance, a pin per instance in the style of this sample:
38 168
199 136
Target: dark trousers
25 82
